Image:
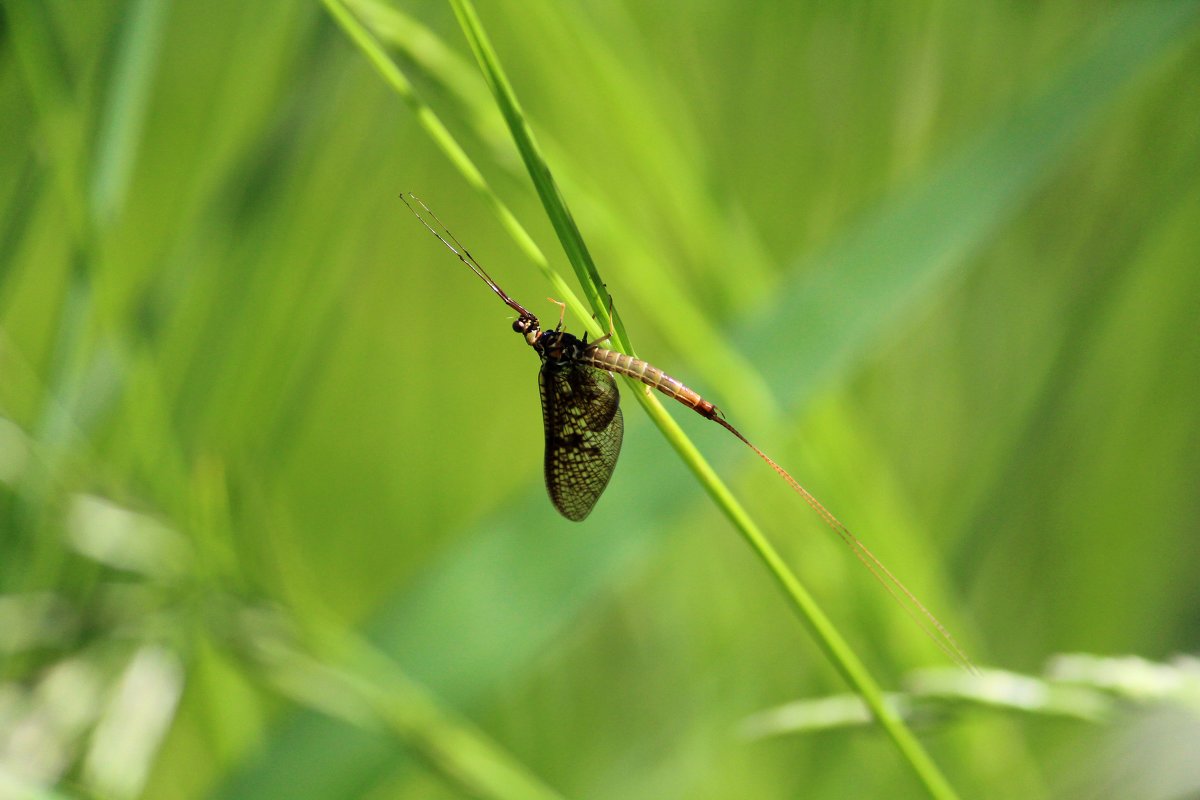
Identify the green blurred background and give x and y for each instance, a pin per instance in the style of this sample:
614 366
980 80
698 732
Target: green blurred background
271 514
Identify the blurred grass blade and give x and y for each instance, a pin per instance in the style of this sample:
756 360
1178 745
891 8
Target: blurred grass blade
878 271
1075 686
41 62
134 723
351 680
124 113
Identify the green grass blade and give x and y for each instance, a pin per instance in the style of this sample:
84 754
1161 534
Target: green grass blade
869 277
352 681
552 201
61 124
124 114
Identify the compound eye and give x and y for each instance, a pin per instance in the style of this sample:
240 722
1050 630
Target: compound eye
520 325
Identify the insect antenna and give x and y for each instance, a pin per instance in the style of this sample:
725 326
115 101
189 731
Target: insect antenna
464 255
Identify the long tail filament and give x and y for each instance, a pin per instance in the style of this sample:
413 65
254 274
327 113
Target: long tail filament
925 619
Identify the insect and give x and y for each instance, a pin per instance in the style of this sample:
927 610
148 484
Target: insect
583 425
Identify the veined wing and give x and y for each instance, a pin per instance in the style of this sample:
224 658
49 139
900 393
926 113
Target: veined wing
583 434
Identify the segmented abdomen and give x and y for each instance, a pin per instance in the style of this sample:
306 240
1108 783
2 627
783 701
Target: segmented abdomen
650 375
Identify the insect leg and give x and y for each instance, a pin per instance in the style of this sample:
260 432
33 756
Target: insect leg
562 311
611 320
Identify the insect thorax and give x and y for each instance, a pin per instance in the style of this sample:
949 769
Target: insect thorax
559 348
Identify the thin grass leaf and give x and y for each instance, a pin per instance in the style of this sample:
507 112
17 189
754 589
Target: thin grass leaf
881 268
124 113
42 66
350 680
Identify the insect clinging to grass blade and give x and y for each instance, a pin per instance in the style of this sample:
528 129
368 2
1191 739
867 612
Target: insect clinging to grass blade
583 425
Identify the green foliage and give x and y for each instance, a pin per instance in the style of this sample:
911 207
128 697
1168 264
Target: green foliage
269 458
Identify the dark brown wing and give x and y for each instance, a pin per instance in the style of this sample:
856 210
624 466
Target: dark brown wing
583 434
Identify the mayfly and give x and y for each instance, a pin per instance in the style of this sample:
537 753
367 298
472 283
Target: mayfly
584 428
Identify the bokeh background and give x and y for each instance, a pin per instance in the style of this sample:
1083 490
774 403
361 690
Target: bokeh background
271 514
